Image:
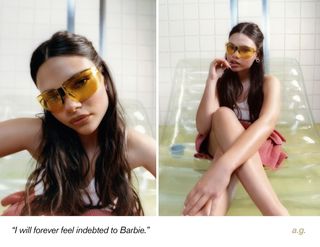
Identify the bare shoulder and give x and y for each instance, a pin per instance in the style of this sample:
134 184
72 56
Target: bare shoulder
141 150
271 84
20 134
271 80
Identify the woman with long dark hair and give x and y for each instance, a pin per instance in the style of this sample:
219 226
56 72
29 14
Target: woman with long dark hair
83 150
236 120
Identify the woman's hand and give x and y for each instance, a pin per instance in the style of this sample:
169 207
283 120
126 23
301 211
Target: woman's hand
210 186
217 67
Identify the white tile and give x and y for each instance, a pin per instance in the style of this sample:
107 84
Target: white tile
146 22
146 68
130 51
164 44
276 9
177 43
115 35
307 41
192 43
175 12
9 15
145 38
292 54
129 21
190 11
276 26
292 9
309 86
316 73
163 13
191 27
207 43
222 10
316 115
146 53
222 27
129 7
307 73
292 25
176 28
114 21
276 53
40 4
206 10
192 54
146 7
163 28
26 16
220 41
164 75
250 8
317 57
308 25
308 9
206 27
292 41
115 6
316 88
307 57
317 42
175 58
130 82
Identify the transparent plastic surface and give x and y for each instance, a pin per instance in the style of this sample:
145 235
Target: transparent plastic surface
14 169
297 182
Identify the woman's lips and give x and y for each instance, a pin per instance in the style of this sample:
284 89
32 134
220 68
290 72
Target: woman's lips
80 120
234 64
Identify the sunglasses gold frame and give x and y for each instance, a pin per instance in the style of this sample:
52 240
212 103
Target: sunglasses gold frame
243 51
53 99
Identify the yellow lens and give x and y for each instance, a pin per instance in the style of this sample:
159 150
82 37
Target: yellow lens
83 85
230 48
246 52
243 51
79 88
51 100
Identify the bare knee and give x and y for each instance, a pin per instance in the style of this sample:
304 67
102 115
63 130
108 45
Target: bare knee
223 113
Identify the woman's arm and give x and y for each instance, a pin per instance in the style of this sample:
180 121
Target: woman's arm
217 178
20 134
209 102
141 151
251 140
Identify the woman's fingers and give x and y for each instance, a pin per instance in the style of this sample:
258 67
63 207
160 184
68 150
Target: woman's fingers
221 63
196 206
206 210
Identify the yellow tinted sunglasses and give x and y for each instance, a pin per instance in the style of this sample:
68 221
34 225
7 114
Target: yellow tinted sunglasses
79 87
244 51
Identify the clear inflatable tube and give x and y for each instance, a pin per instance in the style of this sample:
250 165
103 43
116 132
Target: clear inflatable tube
297 182
15 168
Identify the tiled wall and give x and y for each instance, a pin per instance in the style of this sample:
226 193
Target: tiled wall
199 28
130 46
131 50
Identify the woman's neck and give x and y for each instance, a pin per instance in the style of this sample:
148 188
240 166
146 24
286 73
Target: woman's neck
244 76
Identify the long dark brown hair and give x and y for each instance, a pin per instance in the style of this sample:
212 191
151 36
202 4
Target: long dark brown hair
229 86
63 166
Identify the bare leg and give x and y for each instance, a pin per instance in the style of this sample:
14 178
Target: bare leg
219 206
226 128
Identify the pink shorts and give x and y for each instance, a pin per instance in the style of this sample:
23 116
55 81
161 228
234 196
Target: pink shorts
16 202
271 152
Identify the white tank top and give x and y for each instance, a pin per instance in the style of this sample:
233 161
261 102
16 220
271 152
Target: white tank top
243 113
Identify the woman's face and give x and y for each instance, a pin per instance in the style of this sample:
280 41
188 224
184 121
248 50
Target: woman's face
237 63
84 117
